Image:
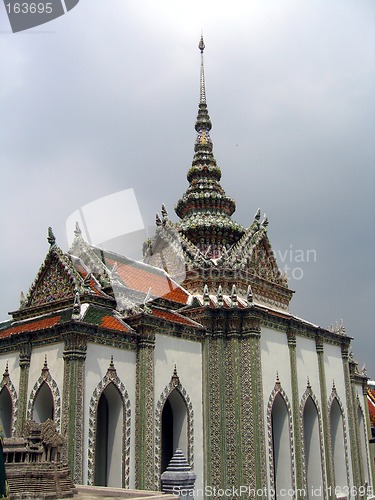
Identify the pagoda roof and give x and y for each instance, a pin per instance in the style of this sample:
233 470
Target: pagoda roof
92 286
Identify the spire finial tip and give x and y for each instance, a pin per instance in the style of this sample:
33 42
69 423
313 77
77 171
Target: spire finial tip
201 45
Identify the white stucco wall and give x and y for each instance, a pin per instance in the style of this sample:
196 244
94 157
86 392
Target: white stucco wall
187 356
275 358
334 369
307 366
98 359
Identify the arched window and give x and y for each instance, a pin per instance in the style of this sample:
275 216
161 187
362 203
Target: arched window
6 411
174 425
312 449
43 407
109 438
338 445
282 463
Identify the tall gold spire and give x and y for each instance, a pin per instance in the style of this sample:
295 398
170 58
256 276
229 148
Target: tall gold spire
205 209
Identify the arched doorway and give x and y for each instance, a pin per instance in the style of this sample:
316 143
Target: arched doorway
312 449
109 438
282 462
6 412
338 446
174 425
44 407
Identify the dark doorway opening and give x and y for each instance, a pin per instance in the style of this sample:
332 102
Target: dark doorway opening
167 436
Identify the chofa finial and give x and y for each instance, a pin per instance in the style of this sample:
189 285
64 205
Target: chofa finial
77 230
51 237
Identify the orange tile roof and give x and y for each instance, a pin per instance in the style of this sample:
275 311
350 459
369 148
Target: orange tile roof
31 326
94 287
172 316
141 278
177 295
79 267
113 324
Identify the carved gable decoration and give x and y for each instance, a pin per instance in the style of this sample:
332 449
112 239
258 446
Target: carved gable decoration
261 262
254 254
55 281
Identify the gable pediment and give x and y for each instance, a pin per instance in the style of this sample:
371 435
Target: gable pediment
262 263
55 280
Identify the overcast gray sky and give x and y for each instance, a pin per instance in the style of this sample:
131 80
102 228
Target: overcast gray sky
105 98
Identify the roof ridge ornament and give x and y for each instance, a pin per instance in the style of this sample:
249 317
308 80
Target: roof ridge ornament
6 373
22 299
76 313
51 237
45 369
206 296
77 230
249 296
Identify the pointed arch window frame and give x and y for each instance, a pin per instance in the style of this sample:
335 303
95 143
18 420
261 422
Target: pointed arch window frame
111 377
173 385
334 396
279 390
306 395
7 384
46 378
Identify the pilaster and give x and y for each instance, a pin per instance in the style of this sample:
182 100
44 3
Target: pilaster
75 346
24 362
246 406
258 408
144 416
298 439
232 402
234 422
215 429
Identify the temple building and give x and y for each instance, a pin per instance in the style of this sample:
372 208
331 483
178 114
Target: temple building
194 349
